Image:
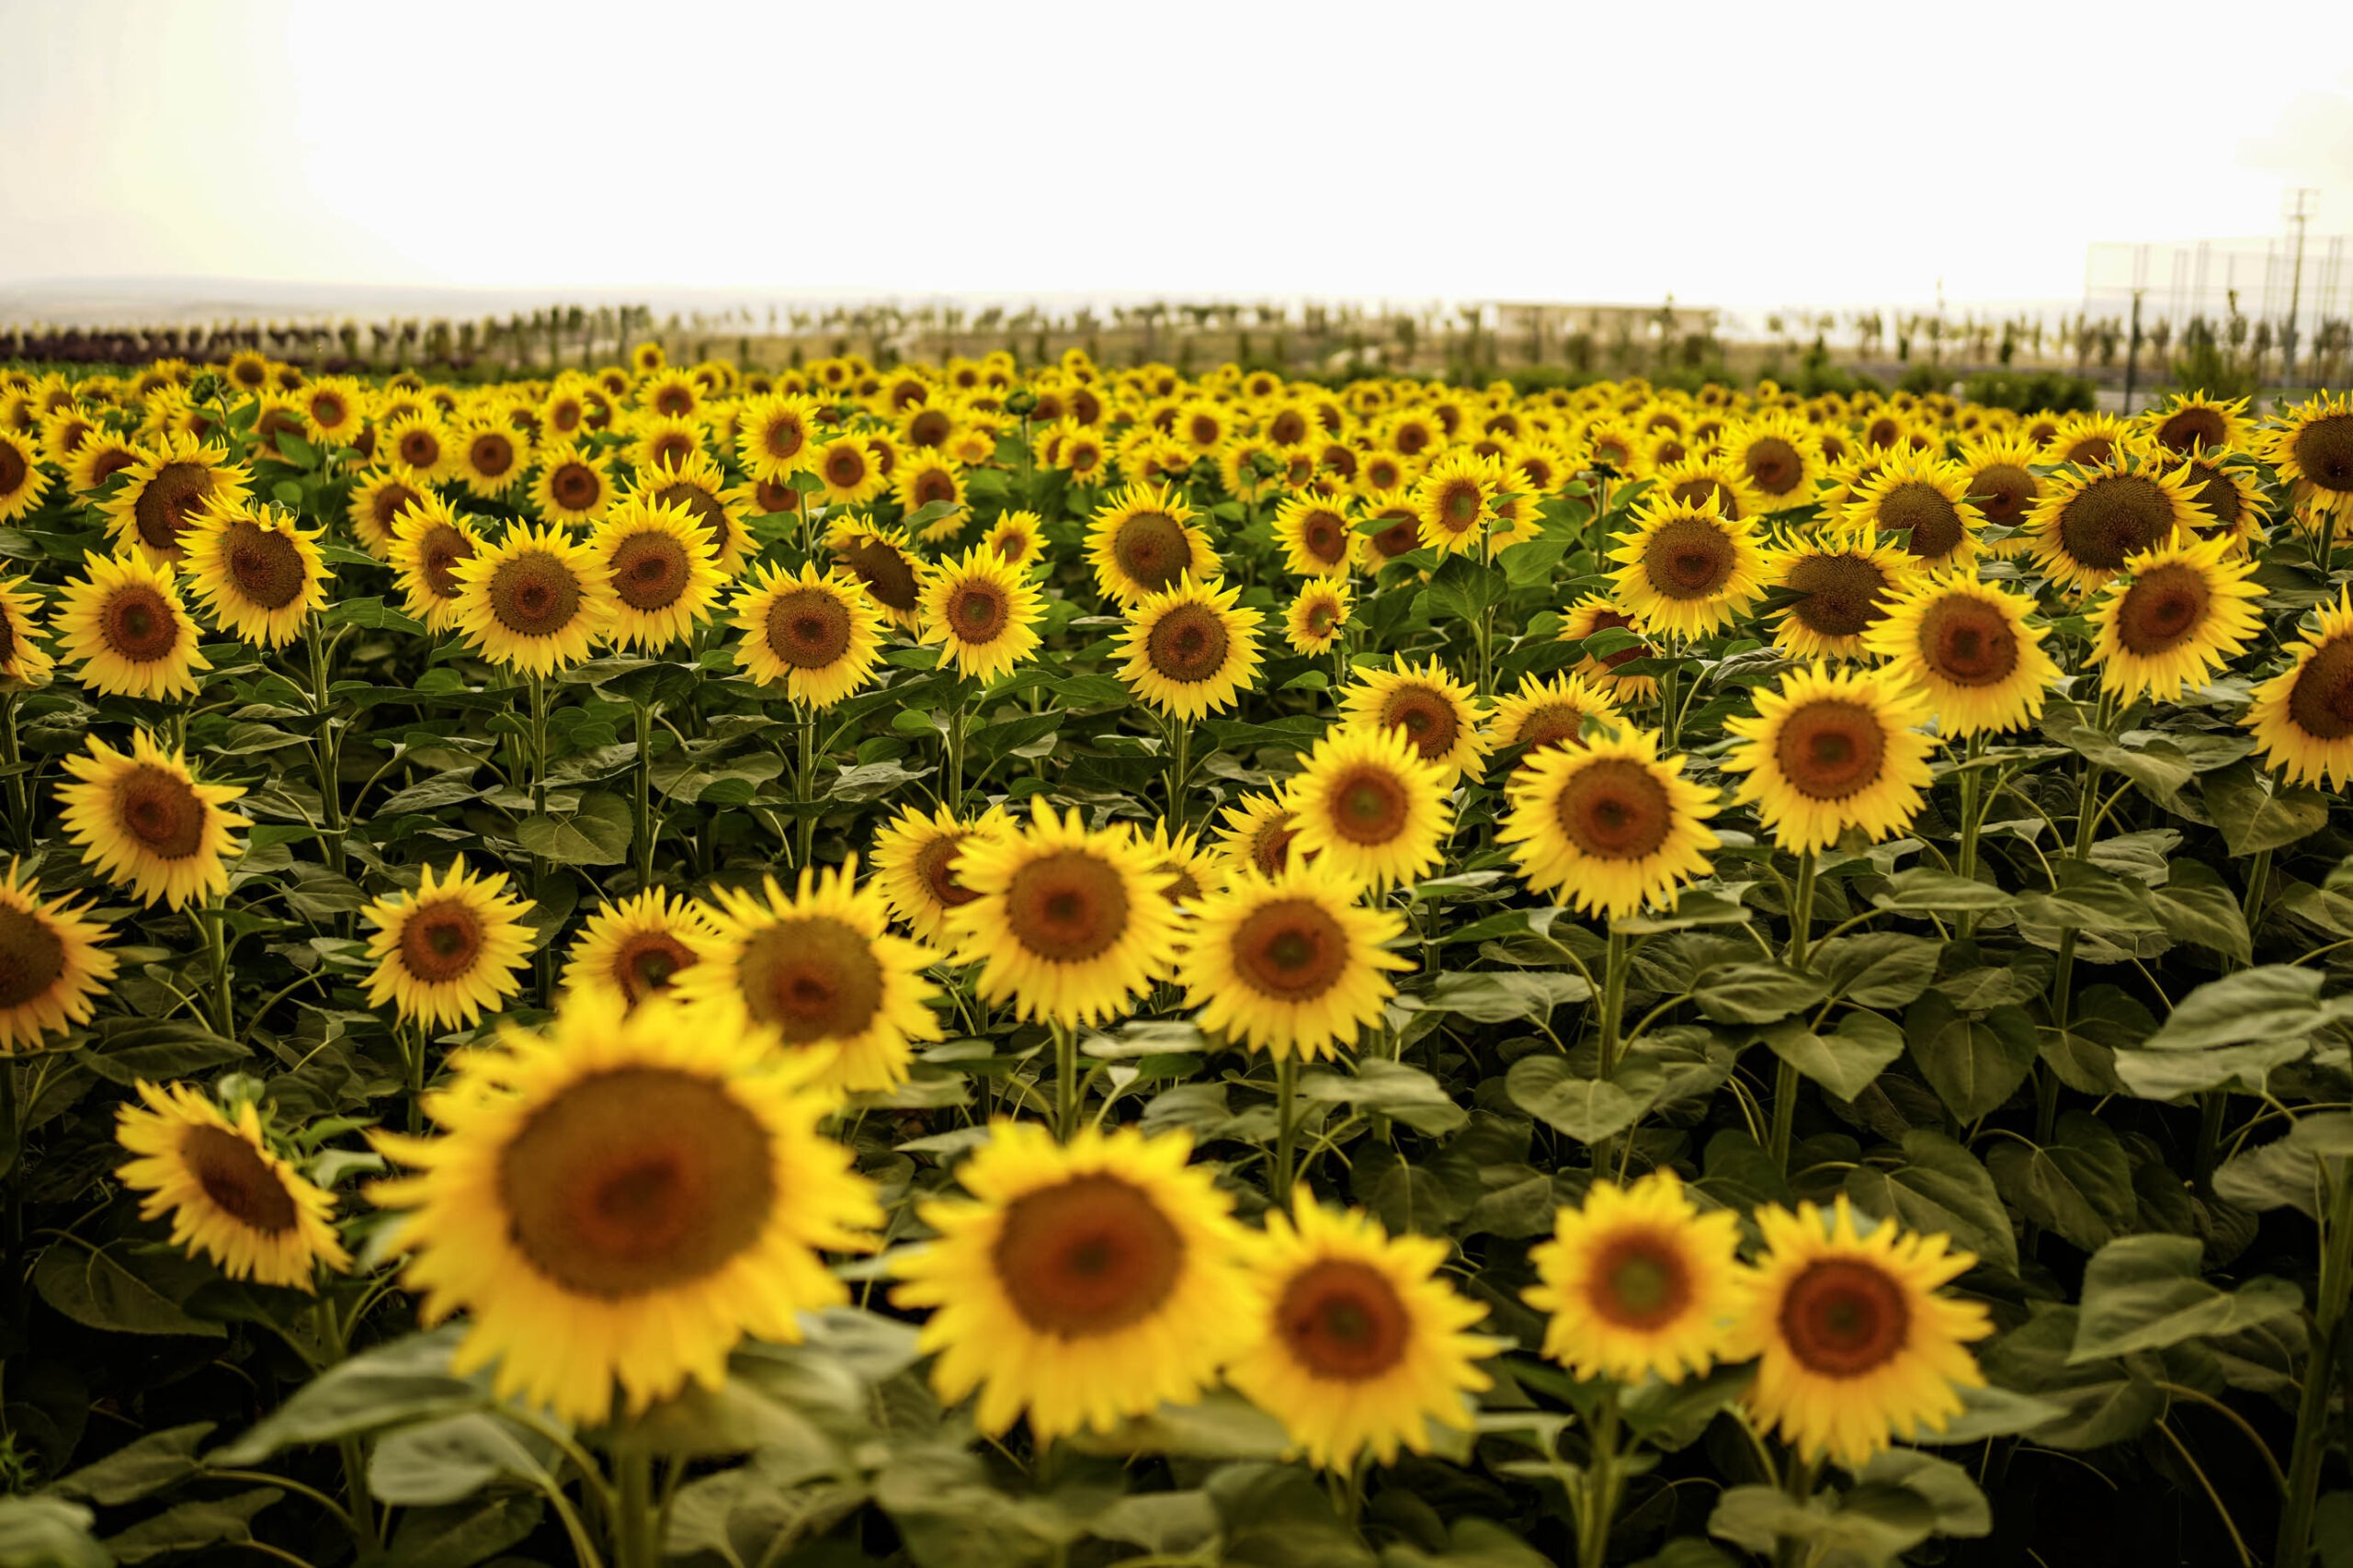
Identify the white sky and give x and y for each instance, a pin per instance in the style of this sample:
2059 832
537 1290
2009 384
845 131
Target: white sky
1744 154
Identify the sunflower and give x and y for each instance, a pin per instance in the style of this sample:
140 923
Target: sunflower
160 495
1016 539
1542 715
261 576
2312 448
984 612
1078 1283
674 394
51 965
635 949
1921 500
231 1196
1191 651
24 662
488 455
1640 1283
2178 614
915 861
925 479
1439 713
2089 520
99 459
377 500
1370 807
145 823
1688 568
1316 618
820 636
417 441
2191 423
334 409
1142 541
1292 964
1591 616
1070 924
2090 440
847 466
536 601
822 972
2303 717
1828 752
63 432
2225 483
430 541
451 951
1778 457
1840 585
1997 470
1611 824
1969 648
1854 1345
662 444
1317 537
623 1199
569 484
1697 481
879 558
127 628
664 578
1193 872
1455 500
23 482
702 490
1256 834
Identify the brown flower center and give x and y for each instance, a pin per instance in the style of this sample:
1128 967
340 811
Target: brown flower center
712 518
161 809
2324 449
265 564
1370 805
1614 808
1325 536
1151 550
934 484
1967 641
1843 1318
389 502
2004 491
673 401
1271 846
651 569
1640 1281
1187 645
1067 907
108 463
1089 1255
2090 450
2213 489
812 977
809 628
845 466
2186 429
1931 523
1689 558
2321 702
929 429
137 623
420 448
1459 502
491 455
161 513
1398 538
936 865
1292 951
637 1180
1844 593
1428 717
1342 1321
575 486
2165 607
534 595
441 940
1411 438
1773 465
880 565
978 612
1551 726
238 1180
32 958
439 551
646 962
14 469
2115 516
1831 748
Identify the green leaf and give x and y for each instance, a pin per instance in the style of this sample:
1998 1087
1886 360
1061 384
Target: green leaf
126 1049
2080 1186
1697 907
1402 1093
2252 817
47 1532
191 1527
1221 1426
1974 1064
1864 1528
1960 1508
394 1384
1845 1060
2103 1401
1925 890
1470 1543
2088 898
1587 1110
582 839
123 1289
1500 997
1991 1412
1938 1187
1881 969
135 1469
2146 1293
2268 1002
448 1460
463 1534
2196 906
1757 992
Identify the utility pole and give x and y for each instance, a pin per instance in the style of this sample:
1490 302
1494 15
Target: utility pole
2300 204
2133 354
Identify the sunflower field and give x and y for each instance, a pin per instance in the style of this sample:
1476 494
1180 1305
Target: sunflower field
980 965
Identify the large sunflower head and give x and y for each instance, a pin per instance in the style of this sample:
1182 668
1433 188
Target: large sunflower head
1781 457
820 970
1998 470
1970 649
2312 447
125 625
622 1199
1455 500
1855 1345
1591 616
1016 538
1688 568
378 499
146 824
2177 615
23 479
915 860
984 612
879 558
1079 1283
24 662
664 575
1640 1283
1839 584
451 951
160 498
2303 717
1433 709
417 441
718 510
1069 924
1316 618
570 484
1544 715
1191 649
1143 541
1370 807
636 948
430 539
230 1195
1357 1344
820 636
50 963
1610 824
536 601
261 576
1829 752
1292 964
2091 518
2190 423
1317 537
1919 500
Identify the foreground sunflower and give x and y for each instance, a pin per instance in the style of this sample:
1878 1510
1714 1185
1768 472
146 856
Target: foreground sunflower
50 963
160 495
1077 1284
1919 500
1825 753
1781 459
822 970
2090 520
636 948
1455 501
1688 568
2178 614
452 951
1256 834
2193 422
24 662
229 1196
2303 717
914 858
430 541
1840 585
145 823
1639 1283
1430 708
664 575
1542 715
818 637
1317 617
1970 649
535 601
879 558
261 576
1190 649
1356 1344
1142 541
125 625
623 1199
983 611
571 484
1317 537
2313 448
1292 964
1069 924
1370 807
1855 1347
1610 825
23 482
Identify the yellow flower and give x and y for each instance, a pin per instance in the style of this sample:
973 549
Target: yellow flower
984 612
776 435
1190 650
1640 1283
376 502
2303 717
229 1196
1921 501
1436 712
145 823
429 542
1609 825
2178 614
536 601
1317 537
569 484
491 455
821 637
2090 520
177 478
1968 647
880 559
663 573
1256 834
1370 807
1688 568
847 466
24 662
451 951
51 965
23 482
1592 614
1315 619
261 576
635 949
915 860
1844 581
1455 500
126 627
1016 539
2193 422
1826 753
1292 964
2312 447
699 486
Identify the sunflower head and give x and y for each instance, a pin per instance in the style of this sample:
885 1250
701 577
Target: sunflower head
2312 447
1436 712
2177 613
451 951
1290 963
161 496
1687 568
1370 805
1143 541
230 1195
1830 752
2303 717
535 600
2092 518
1190 650
261 574
51 965
984 612
1970 648
665 575
818 637
1640 1283
1317 618
146 824
915 859
1608 823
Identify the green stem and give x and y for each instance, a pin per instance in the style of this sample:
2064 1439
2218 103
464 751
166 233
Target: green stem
1180 769
21 808
1785 1076
326 748
645 832
539 745
1794 1552
414 1038
1970 821
215 922
954 796
2259 886
2320 1372
1066 1096
1602 1483
804 778
1286 1127
1612 1020
636 1541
